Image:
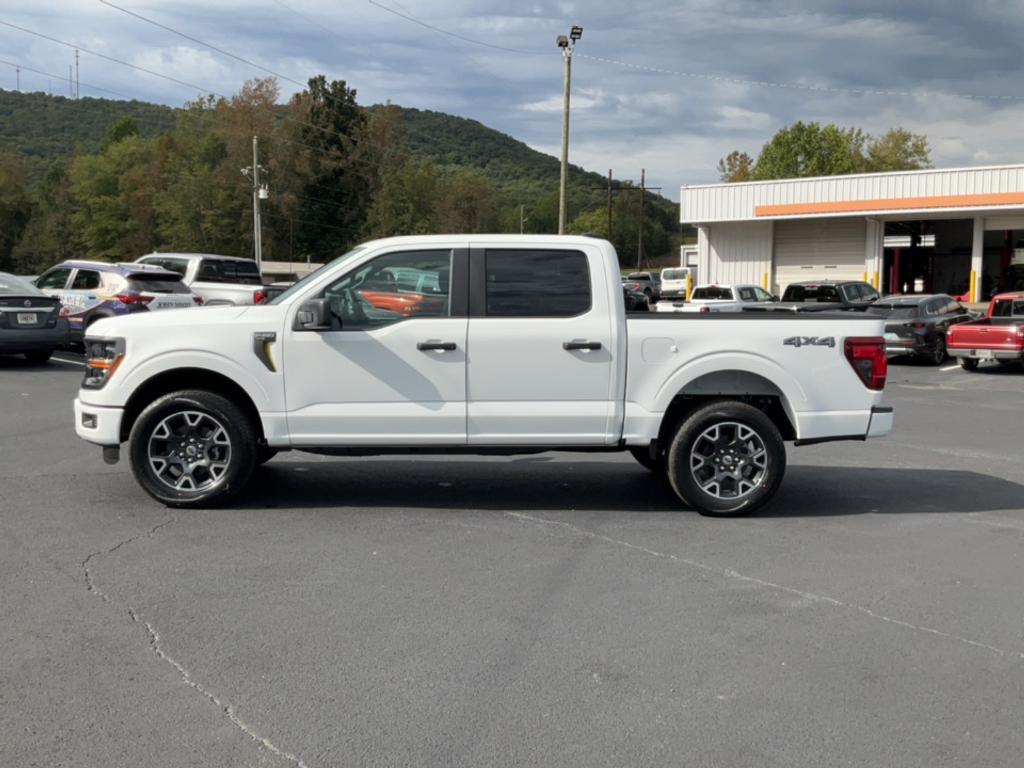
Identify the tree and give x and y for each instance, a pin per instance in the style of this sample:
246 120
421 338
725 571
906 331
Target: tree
405 202
466 203
50 236
898 150
736 166
808 149
15 205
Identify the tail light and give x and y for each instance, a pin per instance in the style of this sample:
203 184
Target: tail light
867 358
259 297
704 308
198 300
133 298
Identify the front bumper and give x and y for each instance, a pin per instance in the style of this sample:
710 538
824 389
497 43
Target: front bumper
98 424
987 354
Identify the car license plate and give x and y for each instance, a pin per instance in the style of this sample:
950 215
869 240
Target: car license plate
986 354
28 318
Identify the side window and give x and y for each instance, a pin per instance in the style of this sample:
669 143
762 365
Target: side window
867 293
747 294
954 308
537 283
851 292
762 294
390 288
86 280
55 279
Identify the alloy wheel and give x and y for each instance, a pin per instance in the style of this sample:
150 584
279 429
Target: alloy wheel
728 460
189 451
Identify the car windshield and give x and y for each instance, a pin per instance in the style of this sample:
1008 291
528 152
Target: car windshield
712 293
811 293
1008 308
894 310
296 287
673 274
16 286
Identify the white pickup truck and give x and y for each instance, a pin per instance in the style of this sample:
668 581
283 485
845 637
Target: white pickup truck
518 344
219 280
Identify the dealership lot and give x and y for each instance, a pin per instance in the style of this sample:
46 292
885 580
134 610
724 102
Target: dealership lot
549 610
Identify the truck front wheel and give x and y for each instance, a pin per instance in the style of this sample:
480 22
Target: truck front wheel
192 448
726 458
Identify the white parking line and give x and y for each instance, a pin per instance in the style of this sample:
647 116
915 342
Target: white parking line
73 362
950 367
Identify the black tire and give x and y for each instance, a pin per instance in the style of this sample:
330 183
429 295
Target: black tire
968 363
937 354
749 447
264 453
169 416
643 456
38 356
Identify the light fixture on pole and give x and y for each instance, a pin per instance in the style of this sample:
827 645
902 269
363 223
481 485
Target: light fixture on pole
567 44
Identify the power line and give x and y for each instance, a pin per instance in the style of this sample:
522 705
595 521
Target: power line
456 35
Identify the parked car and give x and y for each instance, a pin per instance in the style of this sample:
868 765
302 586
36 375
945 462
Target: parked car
673 283
92 290
218 279
531 352
636 300
30 321
719 298
837 294
919 325
998 336
649 282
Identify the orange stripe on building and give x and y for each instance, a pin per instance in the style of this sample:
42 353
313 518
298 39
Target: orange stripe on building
892 204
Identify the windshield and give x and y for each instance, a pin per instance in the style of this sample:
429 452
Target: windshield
1008 308
673 274
296 287
712 293
894 310
16 286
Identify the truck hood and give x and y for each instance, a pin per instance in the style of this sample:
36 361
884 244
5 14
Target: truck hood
172 320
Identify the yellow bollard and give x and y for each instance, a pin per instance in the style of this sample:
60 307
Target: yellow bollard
974 286
689 285
876 283
764 281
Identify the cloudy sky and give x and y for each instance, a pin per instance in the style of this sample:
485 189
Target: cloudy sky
670 86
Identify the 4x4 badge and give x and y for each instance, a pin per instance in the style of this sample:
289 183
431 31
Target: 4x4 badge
810 341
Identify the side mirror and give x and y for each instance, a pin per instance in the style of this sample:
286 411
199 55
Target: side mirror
313 315
775 298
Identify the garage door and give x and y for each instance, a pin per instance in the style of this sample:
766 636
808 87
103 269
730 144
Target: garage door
818 249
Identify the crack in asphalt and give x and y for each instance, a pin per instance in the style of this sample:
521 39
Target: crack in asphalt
737 576
227 708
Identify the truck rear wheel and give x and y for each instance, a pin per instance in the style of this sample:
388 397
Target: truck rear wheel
726 458
192 448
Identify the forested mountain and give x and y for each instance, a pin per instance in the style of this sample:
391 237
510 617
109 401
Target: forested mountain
111 179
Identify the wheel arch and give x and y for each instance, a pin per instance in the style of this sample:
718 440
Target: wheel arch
177 379
731 384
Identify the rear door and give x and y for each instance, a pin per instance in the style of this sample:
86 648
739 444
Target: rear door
541 354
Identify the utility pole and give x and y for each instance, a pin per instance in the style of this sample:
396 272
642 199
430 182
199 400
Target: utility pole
257 237
640 229
78 90
563 42
17 75
522 218
609 203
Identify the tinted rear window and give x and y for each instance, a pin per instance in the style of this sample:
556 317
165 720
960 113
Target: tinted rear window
894 310
217 271
712 294
673 274
156 284
811 293
1008 308
537 283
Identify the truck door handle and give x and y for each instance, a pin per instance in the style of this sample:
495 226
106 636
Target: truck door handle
592 345
443 346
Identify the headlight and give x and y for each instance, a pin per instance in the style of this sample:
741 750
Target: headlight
102 358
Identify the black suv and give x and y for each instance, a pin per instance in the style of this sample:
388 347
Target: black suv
840 294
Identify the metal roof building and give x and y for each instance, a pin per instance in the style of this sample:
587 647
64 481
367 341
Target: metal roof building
938 230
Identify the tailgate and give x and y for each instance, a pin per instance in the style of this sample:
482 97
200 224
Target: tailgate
984 335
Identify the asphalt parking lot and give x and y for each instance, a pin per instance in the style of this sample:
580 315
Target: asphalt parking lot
551 610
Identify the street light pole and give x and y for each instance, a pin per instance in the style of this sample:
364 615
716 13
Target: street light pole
567 47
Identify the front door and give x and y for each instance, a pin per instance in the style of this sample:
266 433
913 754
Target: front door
541 355
392 368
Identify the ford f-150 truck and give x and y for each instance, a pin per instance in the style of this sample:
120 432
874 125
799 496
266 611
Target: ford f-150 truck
529 349
998 336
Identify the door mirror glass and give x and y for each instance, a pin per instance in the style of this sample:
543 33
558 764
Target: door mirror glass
313 315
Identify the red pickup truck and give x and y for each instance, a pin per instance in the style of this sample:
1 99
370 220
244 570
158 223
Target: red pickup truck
999 336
